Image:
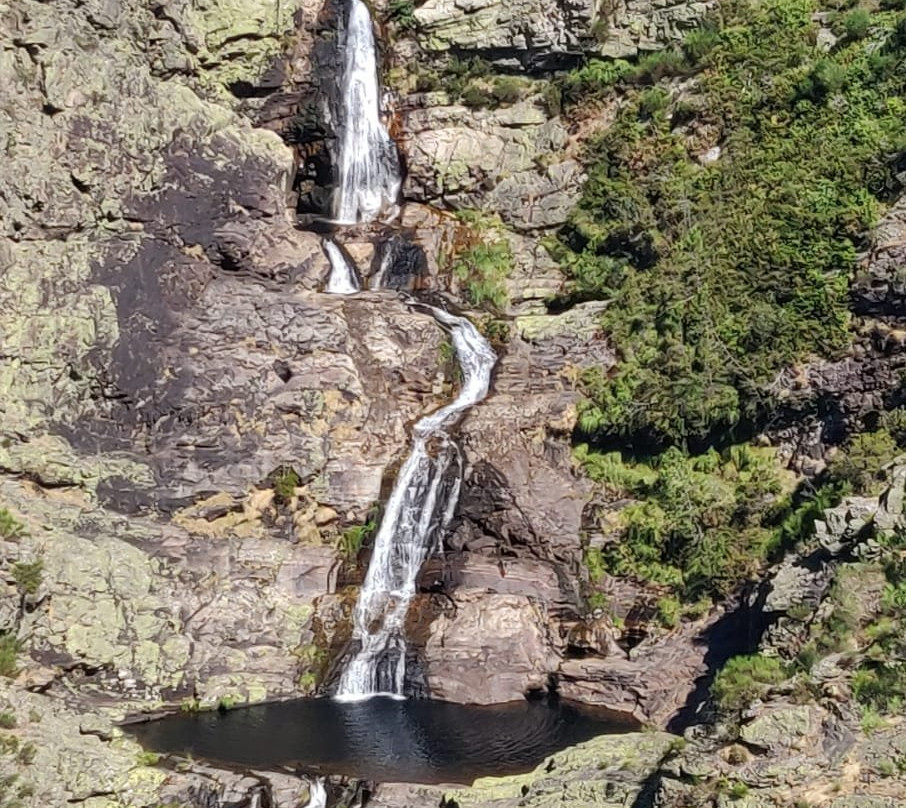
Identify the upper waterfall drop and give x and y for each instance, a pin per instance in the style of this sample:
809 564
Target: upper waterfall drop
368 162
419 509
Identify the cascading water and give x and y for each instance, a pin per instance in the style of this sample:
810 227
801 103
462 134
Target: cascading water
368 163
419 508
342 279
427 488
317 794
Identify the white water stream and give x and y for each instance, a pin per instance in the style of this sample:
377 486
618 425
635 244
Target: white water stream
368 164
342 280
317 794
426 491
419 508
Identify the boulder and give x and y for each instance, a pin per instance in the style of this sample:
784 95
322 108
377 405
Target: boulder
488 648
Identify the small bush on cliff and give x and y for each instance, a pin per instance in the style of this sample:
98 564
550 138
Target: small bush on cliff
285 481
484 268
9 651
861 462
11 528
402 12
354 537
723 272
744 679
28 576
880 681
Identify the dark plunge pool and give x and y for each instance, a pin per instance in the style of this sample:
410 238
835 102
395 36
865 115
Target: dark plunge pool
381 739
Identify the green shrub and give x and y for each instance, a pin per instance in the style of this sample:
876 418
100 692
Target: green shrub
9 651
668 612
476 96
483 260
594 563
285 481
28 576
856 24
881 686
860 463
744 679
459 73
659 64
11 528
7 721
653 102
698 44
506 89
700 525
795 516
825 78
352 539
552 96
737 790
593 80
402 12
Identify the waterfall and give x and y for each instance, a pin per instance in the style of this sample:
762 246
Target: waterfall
317 794
342 279
377 282
368 164
419 508
427 487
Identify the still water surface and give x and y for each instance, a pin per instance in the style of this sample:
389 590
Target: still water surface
381 739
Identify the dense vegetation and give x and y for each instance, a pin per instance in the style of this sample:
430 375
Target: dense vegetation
481 259
724 271
700 524
861 622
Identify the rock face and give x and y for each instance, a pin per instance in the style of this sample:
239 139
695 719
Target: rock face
880 288
490 159
540 35
190 428
187 424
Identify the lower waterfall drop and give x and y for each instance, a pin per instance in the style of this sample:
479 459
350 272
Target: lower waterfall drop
343 280
419 509
317 794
